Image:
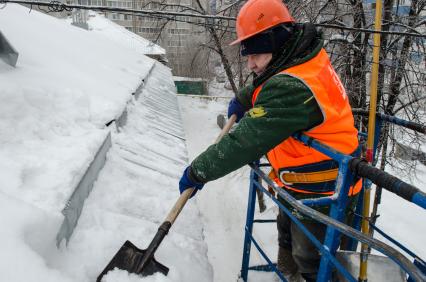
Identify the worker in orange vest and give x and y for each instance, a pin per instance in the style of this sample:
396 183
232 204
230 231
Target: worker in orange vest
295 89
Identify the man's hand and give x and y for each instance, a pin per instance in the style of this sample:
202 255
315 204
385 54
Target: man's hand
186 182
236 108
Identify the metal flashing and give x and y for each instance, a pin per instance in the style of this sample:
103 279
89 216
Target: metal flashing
74 206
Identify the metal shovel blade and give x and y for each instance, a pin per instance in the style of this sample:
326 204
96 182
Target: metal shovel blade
129 258
220 120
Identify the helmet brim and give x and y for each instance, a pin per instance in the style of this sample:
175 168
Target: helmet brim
257 32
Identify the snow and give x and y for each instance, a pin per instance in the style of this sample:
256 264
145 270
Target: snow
67 85
401 219
132 196
56 101
99 24
181 78
223 203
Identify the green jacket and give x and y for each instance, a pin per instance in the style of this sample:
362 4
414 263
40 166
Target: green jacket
288 106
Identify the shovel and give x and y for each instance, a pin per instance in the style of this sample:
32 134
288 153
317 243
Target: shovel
142 262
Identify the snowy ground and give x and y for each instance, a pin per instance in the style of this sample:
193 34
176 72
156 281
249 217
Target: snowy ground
222 203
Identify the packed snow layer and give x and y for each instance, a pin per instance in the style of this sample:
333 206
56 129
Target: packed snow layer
67 84
133 194
99 24
131 197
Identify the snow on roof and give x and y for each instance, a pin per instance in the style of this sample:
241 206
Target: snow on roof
98 23
67 84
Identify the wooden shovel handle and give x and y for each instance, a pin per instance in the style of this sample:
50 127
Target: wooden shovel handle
226 127
181 201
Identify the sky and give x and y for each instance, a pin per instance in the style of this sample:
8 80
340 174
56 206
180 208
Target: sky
69 83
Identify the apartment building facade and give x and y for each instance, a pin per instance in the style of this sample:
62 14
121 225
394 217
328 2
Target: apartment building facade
175 34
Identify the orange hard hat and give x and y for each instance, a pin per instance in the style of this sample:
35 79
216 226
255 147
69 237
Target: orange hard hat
259 15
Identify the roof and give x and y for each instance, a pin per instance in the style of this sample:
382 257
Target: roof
98 23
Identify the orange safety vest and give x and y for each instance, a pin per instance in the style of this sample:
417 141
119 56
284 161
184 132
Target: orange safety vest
337 129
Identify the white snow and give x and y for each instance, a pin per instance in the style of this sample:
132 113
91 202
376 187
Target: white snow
181 78
223 202
67 84
99 24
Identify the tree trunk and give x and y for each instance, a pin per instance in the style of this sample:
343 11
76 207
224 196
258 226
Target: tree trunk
224 59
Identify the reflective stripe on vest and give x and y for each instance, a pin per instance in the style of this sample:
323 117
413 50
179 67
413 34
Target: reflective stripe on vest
337 129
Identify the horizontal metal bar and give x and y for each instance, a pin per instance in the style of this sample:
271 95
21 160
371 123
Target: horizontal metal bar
323 201
263 267
388 182
323 148
265 220
419 199
391 119
402 247
314 240
264 255
387 250
324 251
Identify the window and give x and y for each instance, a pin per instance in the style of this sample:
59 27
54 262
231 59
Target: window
174 43
178 31
153 6
150 30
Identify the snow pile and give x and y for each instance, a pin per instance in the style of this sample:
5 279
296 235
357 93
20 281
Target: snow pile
66 86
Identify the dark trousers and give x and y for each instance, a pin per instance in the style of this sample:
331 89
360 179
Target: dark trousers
306 257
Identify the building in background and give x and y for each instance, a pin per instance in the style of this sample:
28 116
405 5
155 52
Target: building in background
178 37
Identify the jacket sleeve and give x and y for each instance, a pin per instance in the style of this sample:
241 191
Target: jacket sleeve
284 106
244 96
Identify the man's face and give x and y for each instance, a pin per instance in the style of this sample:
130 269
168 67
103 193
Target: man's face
258 62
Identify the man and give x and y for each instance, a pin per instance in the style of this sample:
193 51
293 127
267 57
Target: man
295 90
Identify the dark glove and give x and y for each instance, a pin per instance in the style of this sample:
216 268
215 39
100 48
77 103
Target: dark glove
236 108
187 181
